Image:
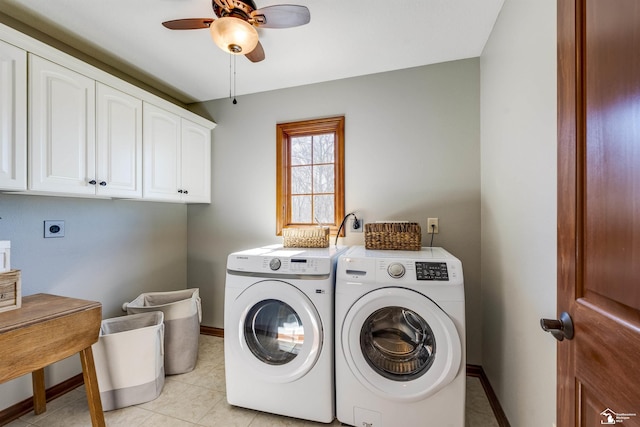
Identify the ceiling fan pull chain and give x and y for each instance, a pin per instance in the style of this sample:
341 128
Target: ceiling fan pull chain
234 80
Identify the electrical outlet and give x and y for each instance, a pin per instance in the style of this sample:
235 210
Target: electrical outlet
53 229
432 226
360 227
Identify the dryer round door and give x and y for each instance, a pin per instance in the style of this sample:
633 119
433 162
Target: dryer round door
400 344
277 329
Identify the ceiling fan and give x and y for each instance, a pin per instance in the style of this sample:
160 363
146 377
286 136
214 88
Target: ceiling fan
235 29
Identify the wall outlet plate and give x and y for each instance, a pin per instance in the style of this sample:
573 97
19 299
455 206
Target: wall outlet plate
53 228
360 228
432 226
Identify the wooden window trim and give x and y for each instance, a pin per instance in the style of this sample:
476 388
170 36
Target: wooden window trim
284 132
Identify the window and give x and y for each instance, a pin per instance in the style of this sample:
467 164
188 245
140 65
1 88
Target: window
310 173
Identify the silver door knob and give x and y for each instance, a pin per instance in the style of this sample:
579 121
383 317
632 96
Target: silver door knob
560 329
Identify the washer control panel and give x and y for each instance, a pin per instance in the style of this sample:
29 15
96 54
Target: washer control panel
429 266
431 271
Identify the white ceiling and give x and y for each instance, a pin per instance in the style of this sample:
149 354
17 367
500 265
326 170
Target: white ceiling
345 38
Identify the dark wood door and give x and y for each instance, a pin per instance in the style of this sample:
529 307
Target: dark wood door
599 211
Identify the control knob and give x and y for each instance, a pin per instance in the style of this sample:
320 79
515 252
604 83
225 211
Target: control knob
396 270
274 264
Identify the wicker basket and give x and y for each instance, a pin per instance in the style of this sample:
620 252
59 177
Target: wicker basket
316 237
405 236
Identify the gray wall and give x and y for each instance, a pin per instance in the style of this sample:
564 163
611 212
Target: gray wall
411 152
518 109
112 251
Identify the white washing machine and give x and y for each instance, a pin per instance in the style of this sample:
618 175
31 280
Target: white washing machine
278 338
400 338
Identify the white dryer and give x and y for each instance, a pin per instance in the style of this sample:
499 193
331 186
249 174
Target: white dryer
278 339
400 338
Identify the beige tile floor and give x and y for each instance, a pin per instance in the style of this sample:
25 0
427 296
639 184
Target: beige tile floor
198 399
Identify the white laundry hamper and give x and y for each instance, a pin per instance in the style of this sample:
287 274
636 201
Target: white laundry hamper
129 359
182 316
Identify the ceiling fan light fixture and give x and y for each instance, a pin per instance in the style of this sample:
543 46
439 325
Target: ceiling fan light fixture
234 35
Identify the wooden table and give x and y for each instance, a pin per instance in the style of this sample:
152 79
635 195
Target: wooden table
46 329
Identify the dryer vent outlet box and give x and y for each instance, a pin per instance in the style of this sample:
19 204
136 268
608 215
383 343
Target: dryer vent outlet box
53 229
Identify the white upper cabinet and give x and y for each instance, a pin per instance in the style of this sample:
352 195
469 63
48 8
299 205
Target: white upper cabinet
177 158
161 154
62 123
118 143
86 137
196 163
68 128
13 118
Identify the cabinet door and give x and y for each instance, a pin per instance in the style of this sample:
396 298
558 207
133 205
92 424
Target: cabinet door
13 118
161 154
118 143
196 163
62 123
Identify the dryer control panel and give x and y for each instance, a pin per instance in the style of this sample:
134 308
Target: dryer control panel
276 261
294 265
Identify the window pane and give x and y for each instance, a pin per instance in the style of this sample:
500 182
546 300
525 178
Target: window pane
324 209
301 150
310 176
323 148
323 179
301 180
301 209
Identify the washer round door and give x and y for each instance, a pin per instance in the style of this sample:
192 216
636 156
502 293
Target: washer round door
277 329
400 344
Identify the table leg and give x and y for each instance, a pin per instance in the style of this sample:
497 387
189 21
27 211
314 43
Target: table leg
91 385
39 396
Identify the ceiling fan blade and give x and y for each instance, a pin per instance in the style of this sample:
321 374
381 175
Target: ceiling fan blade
281 16
257 54
188 24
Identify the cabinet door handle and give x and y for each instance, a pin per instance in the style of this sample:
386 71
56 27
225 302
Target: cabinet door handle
185 192
92 182
180 191
103 183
